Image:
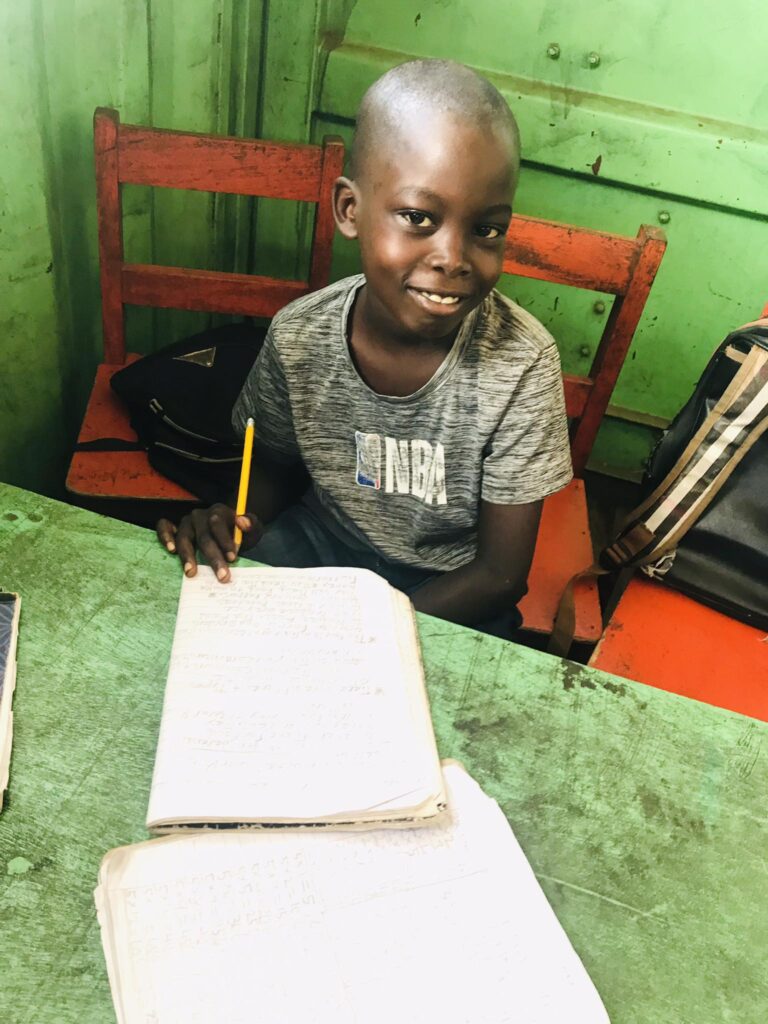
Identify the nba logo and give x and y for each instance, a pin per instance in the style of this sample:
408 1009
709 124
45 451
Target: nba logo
368 459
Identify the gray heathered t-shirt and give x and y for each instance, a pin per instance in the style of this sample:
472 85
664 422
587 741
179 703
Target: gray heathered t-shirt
406 475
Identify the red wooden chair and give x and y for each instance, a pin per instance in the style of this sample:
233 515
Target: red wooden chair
666 639
606 263
128 154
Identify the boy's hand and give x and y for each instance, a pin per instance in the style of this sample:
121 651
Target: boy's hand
211 531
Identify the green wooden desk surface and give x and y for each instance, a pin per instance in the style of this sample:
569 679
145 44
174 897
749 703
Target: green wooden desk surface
642 813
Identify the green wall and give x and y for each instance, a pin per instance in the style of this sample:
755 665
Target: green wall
676 108
177 63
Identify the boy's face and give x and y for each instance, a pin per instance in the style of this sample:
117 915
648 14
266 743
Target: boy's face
430 211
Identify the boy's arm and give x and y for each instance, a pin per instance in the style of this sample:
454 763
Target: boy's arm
273 486
495 579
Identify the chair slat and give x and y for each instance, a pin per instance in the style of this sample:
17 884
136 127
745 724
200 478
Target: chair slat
208 163
207 290
569 255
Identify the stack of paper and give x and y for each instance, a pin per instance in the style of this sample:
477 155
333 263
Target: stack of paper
444 924
297 698
10 605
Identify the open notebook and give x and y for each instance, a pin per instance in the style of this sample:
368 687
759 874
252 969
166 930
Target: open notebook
10 605
441 924
294 696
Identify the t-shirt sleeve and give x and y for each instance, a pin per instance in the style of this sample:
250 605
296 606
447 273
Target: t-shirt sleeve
265 396
528 456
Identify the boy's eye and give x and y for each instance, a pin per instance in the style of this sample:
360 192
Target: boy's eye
488 231
417 218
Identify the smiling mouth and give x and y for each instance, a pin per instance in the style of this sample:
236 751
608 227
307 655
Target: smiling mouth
435 299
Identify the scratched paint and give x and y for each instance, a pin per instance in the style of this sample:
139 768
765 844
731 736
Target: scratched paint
18 866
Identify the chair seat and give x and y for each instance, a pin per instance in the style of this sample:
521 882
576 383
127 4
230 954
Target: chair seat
95 474
563 548
665 639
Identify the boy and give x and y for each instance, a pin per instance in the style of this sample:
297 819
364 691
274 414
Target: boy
426 407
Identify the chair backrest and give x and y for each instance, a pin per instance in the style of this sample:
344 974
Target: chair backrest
601 262
128 154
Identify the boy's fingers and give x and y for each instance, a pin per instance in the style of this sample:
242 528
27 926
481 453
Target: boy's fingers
214 539
244 522
185 545
251 526
221 526
165 534
210 531
214 557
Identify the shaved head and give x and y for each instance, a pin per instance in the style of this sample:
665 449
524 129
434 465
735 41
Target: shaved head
425 88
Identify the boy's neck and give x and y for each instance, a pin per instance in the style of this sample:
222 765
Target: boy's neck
370 326
391 363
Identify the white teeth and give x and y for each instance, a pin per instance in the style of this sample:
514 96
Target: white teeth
446 300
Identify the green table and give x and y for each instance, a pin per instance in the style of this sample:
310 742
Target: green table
642 813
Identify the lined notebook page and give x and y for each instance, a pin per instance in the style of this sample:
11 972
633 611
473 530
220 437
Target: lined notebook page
441 924
293 694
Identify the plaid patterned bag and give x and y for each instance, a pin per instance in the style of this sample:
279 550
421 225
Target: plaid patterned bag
703 528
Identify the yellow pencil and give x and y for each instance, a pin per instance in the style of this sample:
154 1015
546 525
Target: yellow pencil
245 477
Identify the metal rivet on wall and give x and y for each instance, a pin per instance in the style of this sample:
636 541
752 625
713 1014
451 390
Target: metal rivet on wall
584 351
553 51
599 307
593 59
664 217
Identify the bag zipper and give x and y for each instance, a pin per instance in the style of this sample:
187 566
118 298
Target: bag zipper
157 409
195 458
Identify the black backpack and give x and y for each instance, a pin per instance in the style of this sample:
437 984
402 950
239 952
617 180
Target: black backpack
180 401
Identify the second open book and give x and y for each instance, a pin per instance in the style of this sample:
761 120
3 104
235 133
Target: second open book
297 697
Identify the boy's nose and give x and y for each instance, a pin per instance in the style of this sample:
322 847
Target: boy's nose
449 253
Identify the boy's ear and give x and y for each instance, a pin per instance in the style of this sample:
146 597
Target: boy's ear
345 202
